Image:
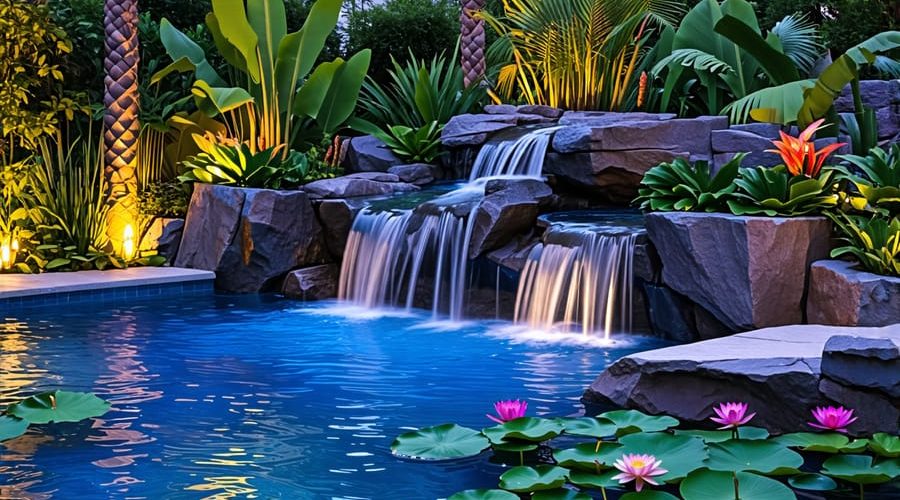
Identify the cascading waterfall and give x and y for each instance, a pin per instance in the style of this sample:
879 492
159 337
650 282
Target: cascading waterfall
523 156
586 288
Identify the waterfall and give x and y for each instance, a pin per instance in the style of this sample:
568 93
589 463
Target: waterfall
388 262
523 156
584 288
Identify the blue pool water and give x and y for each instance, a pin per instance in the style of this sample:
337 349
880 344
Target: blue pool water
258 397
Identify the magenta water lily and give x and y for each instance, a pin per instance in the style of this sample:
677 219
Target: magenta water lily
732 415
638 468
509 410
832 418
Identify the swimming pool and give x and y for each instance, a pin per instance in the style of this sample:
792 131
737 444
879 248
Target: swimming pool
260 397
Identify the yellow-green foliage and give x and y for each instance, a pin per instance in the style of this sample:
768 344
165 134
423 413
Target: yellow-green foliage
30 77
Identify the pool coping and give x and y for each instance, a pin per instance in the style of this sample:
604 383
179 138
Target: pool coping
24 290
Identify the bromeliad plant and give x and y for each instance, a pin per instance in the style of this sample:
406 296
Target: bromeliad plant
626 449
874 242
681 186
877 180
775 192
421 145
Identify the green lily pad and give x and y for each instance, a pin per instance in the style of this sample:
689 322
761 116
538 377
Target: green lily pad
514 446
631 421
885 445
826 442
526 428
594 481
748 432
765 457
11 427
586 456
648 495
58 406
484 495
680 455
560 494
813 482
588 427
859 469
705 484
443 442
523 479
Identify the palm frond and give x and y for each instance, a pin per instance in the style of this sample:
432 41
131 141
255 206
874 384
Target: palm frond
800 41
778 104
694 59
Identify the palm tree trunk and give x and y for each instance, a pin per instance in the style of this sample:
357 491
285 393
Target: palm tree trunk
120 122
472 45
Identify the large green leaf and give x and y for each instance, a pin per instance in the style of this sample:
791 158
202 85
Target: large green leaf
719 436
533 429
778 104
443 442
753 455
267 19
228 51
779 67
812 482
185 53
594 481
860 469
311 95
484 495
680 455
340 101
827 442
713 485
527 479
885 445
589 456
58 406
222 99
631 421
12 427
235 28
588 426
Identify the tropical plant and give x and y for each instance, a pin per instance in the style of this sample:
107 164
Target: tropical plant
799 153
165 199
720 50
419 93
46 407
775 192
275 93
680 185
223 161
575 54
874 242
876 179
421 145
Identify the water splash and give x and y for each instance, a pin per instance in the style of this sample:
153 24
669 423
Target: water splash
522 156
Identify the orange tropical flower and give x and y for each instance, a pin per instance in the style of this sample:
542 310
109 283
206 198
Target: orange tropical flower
799 153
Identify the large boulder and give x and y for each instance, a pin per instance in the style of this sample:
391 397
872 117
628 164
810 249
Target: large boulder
312 283
775 370
358 184
867 363
368 153
839 294
163 237
250 237
688 134
749 272
509 207
474 130
415 173
336 217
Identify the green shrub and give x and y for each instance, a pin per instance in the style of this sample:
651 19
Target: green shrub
414 145
165 199
682 186
874 242
877 181
775 192
237 164
82 20
425 27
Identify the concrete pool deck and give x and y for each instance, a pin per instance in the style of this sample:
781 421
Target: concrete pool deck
25 290
782 372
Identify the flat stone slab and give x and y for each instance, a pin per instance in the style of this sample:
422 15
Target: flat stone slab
776 370
30 285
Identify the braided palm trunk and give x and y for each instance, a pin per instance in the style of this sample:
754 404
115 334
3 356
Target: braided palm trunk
472 41
120 122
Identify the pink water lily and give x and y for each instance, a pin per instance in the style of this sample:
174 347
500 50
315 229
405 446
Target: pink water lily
732 415
832 418
508 410
638 468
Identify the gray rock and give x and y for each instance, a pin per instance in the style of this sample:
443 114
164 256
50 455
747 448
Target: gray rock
250 237
164 237
690 134
769 130
667 314
602 118
505 212
415 173
749 272
842 295
775 370
336 217
737 141
500 109
647 265
369 154
346 187
541 110
474 130
374 176
875 94
312 283
514 254
868 363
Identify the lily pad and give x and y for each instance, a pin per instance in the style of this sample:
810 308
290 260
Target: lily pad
826 442
58 406
588 426
588 457
484 495
523 479
705 484
765 457
443 442
680 455
860 469
514 446
594 481
526 428
885 445
560 494
631 421
11 427
748 432
813 482
648 495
